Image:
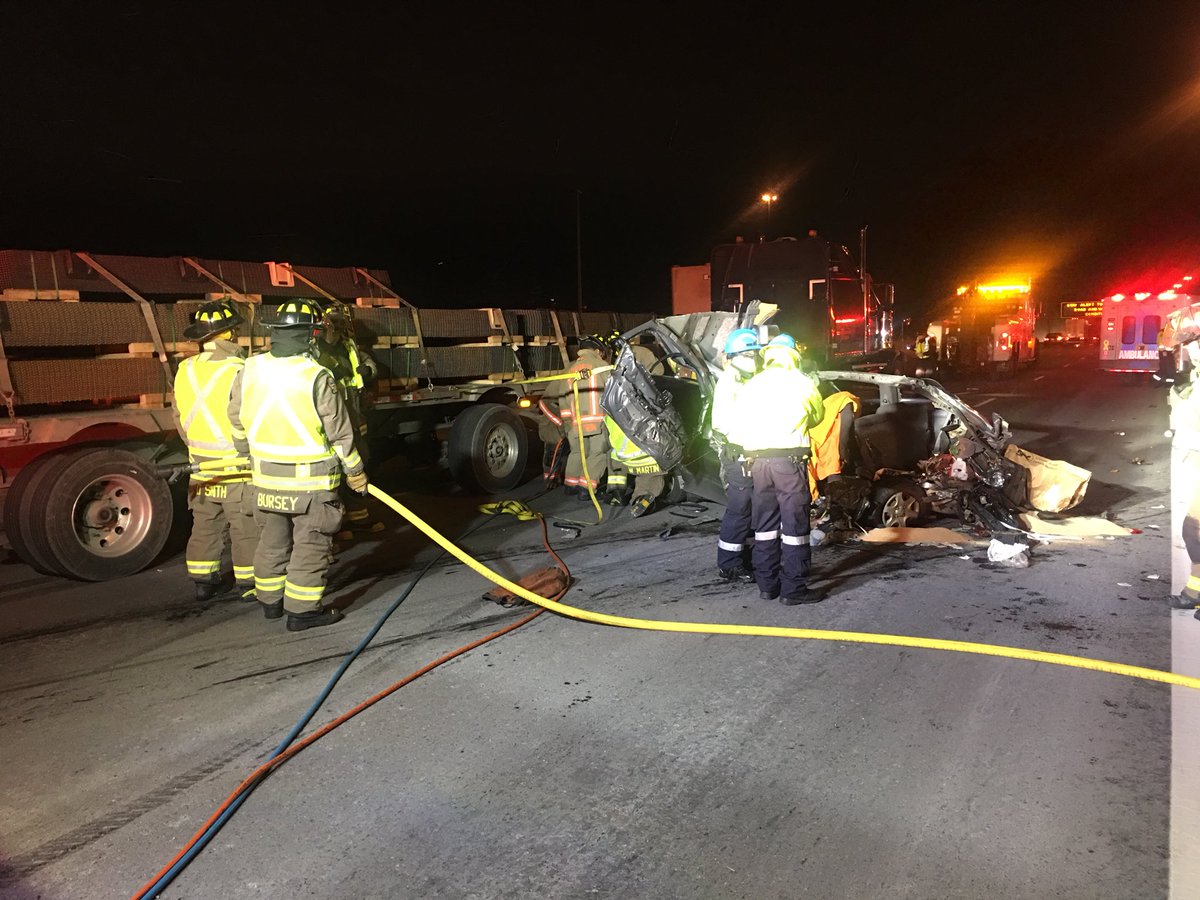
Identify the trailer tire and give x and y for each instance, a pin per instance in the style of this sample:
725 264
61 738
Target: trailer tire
106 515
488 448
23 521
899 503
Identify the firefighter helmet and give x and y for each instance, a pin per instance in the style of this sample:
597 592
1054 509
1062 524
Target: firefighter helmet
742 340
295 314
213 319
782 340
594 342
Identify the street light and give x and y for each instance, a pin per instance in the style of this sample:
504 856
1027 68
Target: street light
769 199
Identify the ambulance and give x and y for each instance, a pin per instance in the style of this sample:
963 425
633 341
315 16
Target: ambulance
1130 325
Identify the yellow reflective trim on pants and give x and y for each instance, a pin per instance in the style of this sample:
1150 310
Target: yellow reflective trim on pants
818 634
1193 583
614 480
269 584
303 594
358 515
243 573
203 566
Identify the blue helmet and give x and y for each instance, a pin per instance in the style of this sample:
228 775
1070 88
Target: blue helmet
742 340
783 340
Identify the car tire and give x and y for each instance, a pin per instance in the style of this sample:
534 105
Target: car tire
107 515
488 448
899 503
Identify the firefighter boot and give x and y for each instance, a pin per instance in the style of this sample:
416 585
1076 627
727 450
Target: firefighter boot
273 610
208 590
326 615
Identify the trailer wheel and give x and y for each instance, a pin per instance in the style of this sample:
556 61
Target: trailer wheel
488 448
899 503
23 521
106 515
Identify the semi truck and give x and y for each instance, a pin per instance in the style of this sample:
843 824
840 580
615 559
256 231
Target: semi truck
826 299
89 345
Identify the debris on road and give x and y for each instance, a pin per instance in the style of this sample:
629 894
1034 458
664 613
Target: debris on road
1014 555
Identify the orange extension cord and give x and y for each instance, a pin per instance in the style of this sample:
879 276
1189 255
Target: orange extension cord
276 761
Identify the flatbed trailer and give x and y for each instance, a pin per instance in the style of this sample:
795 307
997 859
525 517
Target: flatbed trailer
89 345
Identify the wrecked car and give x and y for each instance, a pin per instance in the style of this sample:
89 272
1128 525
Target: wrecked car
911 451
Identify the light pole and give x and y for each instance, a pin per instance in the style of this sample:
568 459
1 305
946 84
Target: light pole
769 199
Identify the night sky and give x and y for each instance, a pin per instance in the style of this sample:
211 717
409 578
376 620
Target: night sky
447 142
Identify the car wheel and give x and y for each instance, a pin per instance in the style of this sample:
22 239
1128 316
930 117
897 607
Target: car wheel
899 503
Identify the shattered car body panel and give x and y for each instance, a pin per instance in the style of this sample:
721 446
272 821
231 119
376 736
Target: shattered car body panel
911 436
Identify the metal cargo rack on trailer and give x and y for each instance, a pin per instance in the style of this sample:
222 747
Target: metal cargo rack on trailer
89 345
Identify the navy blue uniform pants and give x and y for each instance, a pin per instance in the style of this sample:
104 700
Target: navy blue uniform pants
733 542
782 556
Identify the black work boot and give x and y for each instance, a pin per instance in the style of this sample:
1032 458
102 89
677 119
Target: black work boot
273 610
207 590
803 595
768 595
738 573
326 615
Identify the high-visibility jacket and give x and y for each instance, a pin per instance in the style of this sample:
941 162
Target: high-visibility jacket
202 388
557 404
724 405
293 443
625 451
1184 403
774 411
825 439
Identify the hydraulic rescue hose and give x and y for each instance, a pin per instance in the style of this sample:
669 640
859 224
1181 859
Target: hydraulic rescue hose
816 634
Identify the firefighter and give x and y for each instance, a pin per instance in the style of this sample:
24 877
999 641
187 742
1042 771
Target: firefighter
774 411
742 358
288 413
634 476
221 504
1185 468
353 369
627 462
557 405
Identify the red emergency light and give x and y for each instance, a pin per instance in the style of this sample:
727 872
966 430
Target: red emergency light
848 321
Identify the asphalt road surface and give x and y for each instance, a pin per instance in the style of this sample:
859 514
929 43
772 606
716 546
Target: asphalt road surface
572 760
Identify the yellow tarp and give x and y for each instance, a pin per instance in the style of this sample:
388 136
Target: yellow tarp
1054 485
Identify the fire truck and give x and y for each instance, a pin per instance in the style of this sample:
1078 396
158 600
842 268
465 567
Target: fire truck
1130 325
987 327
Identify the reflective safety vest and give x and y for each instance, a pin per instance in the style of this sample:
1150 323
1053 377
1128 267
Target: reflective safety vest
287 440
774 411
626 452
202 388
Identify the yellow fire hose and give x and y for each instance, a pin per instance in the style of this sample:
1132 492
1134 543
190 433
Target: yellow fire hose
816 634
